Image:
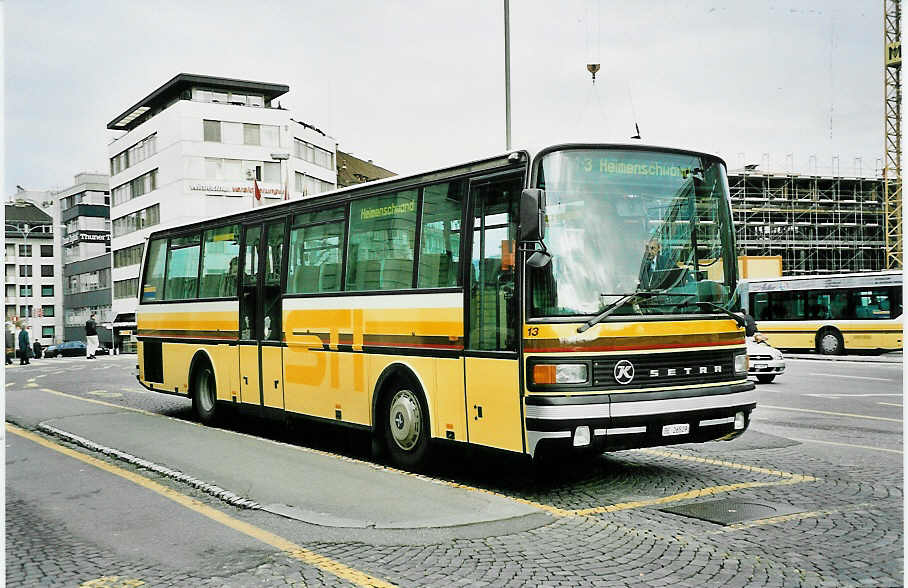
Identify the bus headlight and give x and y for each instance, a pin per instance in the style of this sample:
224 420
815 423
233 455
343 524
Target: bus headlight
560 373
741 364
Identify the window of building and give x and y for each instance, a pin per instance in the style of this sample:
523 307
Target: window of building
47 290
47 251
126 288
25 250
10 310
25 291
47 271
182 277
47 309
270 135
133 155
313 154
25 271
147 217
316 252
308 185
128 256
25 311
10 291
251 134
220 262
136 187
212 130
381 242
47 331
10 250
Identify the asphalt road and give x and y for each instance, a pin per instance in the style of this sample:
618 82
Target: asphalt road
823 460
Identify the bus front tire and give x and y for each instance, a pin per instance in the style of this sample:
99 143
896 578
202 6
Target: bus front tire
406 425
204 394
829 342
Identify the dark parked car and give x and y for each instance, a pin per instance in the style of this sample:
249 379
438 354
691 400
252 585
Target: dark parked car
102 350
68 349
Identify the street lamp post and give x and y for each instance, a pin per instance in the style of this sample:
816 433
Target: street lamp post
507 75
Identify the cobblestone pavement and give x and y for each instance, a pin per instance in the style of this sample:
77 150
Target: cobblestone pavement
844 527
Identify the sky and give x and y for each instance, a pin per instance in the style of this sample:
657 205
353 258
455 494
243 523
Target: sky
415 85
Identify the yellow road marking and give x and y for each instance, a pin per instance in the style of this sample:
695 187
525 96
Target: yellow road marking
709 491
31 385
889 403
848 445
112 582
293 550
845 414
553 510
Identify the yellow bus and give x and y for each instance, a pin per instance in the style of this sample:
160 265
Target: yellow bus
860 311
575 300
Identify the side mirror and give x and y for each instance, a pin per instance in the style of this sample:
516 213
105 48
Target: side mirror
532 215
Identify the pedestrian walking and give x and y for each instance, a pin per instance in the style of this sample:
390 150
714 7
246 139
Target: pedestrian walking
37 347
10 343
23 345
91 337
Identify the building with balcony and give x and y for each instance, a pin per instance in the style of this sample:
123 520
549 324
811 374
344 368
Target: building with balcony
33 292
85 212
195 148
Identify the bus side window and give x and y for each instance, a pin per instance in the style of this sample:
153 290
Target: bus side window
182 278
153 284
382 242
439 251
759 304
220 262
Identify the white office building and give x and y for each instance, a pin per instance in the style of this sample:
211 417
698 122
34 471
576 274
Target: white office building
194 148
33 292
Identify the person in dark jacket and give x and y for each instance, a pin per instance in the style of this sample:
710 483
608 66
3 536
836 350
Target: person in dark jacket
750 325
23 346
37 347
91 337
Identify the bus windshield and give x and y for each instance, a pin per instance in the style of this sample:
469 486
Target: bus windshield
623 222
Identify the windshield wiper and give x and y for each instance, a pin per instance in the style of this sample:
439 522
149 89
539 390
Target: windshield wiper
625 298
738 319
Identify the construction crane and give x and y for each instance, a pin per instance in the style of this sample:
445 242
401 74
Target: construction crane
892 169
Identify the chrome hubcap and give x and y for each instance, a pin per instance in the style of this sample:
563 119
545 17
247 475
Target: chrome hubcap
405 419
829 343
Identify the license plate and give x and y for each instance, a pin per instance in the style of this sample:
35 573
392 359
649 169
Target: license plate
681 429
760 366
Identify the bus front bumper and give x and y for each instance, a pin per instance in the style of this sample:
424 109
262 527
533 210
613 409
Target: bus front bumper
609 422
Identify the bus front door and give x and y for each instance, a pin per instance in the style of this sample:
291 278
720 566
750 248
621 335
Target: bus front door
261 334
491 367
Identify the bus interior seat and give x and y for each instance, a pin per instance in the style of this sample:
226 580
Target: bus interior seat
329 277
396 274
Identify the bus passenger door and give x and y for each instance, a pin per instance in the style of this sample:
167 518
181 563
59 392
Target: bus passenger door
250 382
272 341
491 366
261 336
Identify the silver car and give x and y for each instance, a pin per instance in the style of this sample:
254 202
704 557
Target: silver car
765 362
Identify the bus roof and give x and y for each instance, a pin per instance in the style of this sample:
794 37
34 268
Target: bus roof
824 282
376 186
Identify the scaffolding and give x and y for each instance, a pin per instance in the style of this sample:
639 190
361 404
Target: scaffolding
892 172
818 224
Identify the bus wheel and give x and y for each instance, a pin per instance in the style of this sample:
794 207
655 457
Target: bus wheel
406 426
829 342
204 394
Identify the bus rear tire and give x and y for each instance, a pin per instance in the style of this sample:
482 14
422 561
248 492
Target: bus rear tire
829 342
405 427
204 394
